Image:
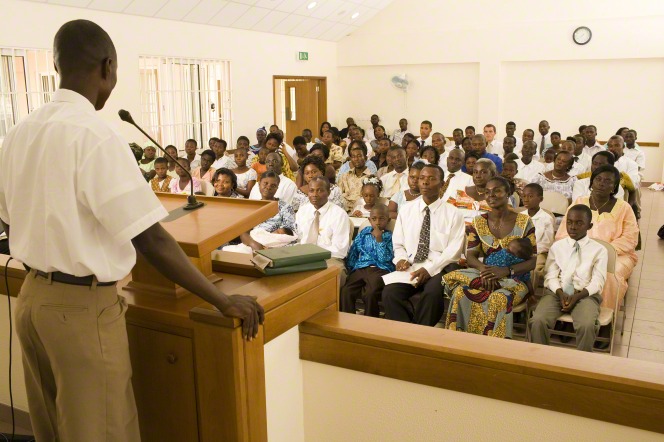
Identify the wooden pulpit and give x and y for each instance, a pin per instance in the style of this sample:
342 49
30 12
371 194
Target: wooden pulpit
194 377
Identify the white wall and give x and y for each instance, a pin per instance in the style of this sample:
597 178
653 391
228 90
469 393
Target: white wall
528 66
347 405
255 57
284 388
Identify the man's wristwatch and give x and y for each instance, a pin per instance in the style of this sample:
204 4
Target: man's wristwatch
511 271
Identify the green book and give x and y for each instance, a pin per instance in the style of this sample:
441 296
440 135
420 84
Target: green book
289 256
315 265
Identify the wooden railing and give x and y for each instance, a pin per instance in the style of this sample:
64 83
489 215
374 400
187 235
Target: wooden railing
611 389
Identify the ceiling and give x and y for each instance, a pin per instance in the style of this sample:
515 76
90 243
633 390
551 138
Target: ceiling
327 20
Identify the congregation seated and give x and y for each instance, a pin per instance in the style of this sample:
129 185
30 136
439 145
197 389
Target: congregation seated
224 182
479 145
321 222
371 166
528 167
400 198
275 231
146 163
205 171
533 194
613 221
351 183
455 179
370 197
430 195
288 164
603 158
397 179
312 167
162 181
558 178
183 183
428 237
369 258
482 295
471 201
572 285
246 177
286 190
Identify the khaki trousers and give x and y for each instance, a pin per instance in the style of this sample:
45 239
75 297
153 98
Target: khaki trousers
76 362
584 314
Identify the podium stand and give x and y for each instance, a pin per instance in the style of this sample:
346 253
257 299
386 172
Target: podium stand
199 232
194 377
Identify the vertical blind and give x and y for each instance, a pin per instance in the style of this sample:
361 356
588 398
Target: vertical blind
184 98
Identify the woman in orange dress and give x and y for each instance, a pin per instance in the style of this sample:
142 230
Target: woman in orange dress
613 222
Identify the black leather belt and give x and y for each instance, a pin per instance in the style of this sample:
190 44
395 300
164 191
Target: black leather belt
65 278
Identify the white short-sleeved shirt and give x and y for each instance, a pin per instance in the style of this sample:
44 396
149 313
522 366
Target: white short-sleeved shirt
286 190
333 228
72 193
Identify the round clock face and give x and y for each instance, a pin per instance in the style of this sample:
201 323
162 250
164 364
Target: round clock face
582 35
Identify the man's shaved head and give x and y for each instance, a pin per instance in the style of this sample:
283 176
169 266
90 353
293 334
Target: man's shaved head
80 46
86 60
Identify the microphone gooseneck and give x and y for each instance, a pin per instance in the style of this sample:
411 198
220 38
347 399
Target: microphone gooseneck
192 203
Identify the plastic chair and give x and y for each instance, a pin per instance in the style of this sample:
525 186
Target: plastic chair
606 315
554 202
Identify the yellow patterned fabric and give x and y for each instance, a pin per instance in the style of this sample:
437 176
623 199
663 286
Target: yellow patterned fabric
474 309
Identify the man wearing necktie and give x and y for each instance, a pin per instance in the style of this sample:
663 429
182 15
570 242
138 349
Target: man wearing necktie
397 180
575 274
428 238
325 224
545 141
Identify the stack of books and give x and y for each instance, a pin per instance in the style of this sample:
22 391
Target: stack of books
291 259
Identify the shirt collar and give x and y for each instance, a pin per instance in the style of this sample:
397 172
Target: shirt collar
582 242
69 96
432 207
323 210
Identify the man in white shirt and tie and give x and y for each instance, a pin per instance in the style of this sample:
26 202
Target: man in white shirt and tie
78 242
592 146
544 139
429 236
493 146
575 275
397 180
425 133
528 167
287 188
455 178
325 224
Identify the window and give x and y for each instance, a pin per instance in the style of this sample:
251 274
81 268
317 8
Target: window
27 80
184 98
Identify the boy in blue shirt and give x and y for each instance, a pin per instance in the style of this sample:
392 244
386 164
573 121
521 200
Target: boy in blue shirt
369 258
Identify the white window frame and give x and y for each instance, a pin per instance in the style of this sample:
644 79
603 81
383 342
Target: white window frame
27 81
184 97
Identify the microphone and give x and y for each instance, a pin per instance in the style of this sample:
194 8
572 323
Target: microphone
192 203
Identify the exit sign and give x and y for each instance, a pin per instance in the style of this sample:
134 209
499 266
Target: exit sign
303 56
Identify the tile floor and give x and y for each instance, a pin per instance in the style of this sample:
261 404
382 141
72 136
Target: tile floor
644 327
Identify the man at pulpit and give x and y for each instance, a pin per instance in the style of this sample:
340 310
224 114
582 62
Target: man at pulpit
78 242
325 224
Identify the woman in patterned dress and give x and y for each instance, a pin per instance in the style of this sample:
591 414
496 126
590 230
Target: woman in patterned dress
482 296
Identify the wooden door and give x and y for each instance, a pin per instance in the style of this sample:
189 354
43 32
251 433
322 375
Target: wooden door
301 106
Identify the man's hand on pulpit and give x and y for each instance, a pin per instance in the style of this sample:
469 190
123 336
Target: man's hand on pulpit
248 310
